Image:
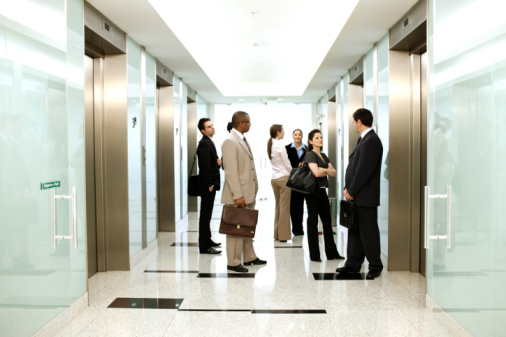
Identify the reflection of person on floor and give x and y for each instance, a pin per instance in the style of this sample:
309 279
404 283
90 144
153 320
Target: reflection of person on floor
240 189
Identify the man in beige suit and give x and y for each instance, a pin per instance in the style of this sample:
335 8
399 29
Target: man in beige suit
240 189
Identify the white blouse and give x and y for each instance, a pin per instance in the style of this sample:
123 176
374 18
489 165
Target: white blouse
279 160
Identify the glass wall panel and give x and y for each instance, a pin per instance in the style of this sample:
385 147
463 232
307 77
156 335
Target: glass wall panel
184 150
466 152
41 111
369 82
134 146
151 201
177 147
383 133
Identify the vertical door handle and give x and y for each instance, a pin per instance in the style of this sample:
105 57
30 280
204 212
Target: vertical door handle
71 197
427 235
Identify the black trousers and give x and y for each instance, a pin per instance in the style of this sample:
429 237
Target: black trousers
206 212
364 241
318 205
297 212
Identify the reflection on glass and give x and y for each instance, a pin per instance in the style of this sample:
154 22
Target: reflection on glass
466 151
383 132
151 202
177 148
134 147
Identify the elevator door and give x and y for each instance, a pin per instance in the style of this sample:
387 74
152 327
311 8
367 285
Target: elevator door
90 165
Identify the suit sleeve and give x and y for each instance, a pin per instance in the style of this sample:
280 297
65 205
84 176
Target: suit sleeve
230 164
205 156
369 157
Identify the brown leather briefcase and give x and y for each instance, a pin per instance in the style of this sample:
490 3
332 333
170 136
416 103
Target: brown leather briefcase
239 221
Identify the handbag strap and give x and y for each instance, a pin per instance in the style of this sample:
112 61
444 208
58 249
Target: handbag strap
194 157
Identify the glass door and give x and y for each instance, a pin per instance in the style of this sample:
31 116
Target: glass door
465 238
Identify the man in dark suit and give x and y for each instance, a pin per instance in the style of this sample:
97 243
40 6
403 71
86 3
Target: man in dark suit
209 183
296 152
362 185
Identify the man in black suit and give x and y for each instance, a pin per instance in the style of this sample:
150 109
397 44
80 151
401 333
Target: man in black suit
362 185
209 183
296 152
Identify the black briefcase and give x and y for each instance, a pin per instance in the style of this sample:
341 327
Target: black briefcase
347 214
193 186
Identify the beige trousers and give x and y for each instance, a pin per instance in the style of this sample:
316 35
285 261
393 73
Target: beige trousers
282 194
239 247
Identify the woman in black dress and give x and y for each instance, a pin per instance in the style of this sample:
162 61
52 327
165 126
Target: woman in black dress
318 203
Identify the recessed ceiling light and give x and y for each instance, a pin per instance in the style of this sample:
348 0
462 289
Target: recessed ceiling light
240 99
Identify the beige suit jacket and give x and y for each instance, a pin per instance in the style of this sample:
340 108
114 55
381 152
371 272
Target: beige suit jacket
240 174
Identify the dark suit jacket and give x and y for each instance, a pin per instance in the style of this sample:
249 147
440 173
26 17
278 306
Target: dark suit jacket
209 171
292 155
362 178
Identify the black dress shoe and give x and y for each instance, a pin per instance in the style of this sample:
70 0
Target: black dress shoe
239 268
282 240
372 274
316 260
215 244
346 269
257 261
211 250
298 233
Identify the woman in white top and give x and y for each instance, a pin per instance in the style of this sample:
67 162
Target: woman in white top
281 169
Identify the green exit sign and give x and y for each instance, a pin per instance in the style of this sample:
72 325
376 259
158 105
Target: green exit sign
51 184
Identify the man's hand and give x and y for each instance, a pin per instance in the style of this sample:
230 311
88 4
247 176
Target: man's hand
211 188
240 202
218 161
347 196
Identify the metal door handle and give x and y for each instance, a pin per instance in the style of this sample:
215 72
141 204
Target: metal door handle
446 237
72 197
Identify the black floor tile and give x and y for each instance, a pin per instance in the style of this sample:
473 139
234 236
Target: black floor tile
226 275
217 310
288 311
173 271
185 244
146 303
338 276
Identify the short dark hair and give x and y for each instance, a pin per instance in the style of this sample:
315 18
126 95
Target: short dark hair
310 136
364 115
201 124
301 133
238 117
230 126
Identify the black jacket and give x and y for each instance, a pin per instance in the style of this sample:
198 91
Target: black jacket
209 171
293 157
362 178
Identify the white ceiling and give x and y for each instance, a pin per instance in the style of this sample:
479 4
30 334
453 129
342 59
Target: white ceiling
368 23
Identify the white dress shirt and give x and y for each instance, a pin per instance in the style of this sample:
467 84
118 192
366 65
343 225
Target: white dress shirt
279 160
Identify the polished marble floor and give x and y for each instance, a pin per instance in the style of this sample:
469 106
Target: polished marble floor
172 290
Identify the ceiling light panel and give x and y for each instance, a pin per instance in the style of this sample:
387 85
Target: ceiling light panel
257 47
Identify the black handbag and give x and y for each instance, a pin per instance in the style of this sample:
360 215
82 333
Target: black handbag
347 214
302 180
193 181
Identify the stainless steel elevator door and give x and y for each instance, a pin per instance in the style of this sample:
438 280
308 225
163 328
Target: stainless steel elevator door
90 166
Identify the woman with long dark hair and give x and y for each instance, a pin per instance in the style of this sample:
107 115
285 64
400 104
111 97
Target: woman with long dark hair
281 169
318 203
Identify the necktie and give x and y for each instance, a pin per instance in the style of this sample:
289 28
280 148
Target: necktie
358 141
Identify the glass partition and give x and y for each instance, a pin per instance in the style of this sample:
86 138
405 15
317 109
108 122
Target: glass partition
383 130
466 270
177 148
151 201
134 146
